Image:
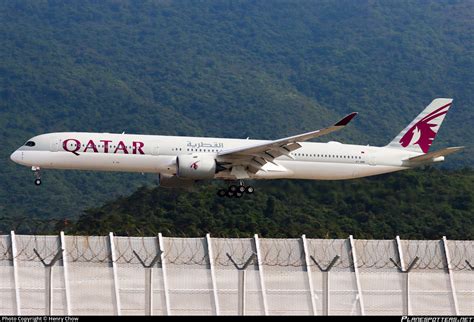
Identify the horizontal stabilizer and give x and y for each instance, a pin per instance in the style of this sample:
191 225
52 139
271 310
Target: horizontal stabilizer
432 155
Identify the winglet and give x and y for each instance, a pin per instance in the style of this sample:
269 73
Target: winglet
346 119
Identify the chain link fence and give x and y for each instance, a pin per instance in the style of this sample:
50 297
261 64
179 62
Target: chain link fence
93 275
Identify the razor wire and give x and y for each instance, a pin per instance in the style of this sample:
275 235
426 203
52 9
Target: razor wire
371 254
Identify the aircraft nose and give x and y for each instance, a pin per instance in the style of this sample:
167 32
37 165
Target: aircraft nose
15 156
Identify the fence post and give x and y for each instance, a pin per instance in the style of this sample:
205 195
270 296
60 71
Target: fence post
148 290
402 268
213 273
163 270
356 271
241 282
308 271
325 272
113 256
400 253
148 282
451 276
260 272
49 279
66 273
406 276
16 281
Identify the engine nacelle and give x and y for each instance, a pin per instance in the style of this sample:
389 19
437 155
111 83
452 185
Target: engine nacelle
172 181
196 167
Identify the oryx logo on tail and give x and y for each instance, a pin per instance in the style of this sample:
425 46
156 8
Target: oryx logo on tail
425 131
420 134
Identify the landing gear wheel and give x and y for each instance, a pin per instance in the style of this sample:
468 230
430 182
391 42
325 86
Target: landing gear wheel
233 189
229 193
238 194
37 173
249 190
221 192
241 189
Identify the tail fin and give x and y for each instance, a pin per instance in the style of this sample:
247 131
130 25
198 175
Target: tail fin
421 132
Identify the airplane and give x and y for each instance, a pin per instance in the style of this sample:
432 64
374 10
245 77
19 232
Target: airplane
180 161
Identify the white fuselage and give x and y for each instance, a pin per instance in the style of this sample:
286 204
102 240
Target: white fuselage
157 154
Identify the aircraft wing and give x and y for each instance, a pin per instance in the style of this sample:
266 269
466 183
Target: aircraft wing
257 155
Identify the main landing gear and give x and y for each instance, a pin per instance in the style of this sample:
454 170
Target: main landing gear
36 171
236 191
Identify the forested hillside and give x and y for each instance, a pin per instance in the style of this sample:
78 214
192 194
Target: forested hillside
264 69
422 204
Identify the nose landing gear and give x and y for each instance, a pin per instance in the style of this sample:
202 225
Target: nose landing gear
236 191
37 173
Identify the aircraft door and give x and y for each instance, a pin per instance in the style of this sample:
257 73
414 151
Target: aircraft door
372 159
54 147
156 150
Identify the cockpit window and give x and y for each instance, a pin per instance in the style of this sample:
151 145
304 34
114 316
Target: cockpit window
30 143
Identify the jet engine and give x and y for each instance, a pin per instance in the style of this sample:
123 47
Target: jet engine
196 167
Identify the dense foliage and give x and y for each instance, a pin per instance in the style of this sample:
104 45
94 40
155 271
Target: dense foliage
423 204
264 69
